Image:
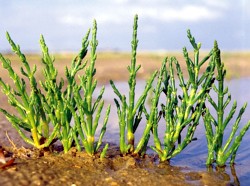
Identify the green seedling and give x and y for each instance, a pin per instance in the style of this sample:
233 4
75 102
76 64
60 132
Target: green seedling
129 113
42 110
183 111
32 116
56 95
47 112
88 112
216 124
154 115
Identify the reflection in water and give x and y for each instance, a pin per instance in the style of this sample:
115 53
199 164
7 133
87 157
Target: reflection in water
223 173
194 156
233 173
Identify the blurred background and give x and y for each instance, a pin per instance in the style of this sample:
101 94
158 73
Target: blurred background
162 23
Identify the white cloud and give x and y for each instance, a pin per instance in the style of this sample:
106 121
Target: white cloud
187 13
73 20
116 16
190 13
245 4
120 1
224 4
76 20
123 14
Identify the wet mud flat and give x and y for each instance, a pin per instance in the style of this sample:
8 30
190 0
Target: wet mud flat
33 167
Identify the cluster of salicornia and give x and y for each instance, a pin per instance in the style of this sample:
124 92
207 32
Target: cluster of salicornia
47 112
55 110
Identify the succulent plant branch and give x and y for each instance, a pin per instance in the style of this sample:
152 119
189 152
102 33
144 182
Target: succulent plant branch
87 115
216 125
56 95
28 104
153 116
57 104
129 113
183 111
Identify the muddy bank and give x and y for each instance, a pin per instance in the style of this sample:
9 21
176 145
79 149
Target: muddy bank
77 168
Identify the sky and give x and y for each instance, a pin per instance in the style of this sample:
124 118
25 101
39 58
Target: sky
162 23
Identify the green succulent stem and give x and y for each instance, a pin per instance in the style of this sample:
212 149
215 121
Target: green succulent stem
129 112
152 121
27 105
88 114
54 105
215 126
183 110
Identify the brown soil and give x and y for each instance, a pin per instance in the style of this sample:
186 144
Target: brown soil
32 167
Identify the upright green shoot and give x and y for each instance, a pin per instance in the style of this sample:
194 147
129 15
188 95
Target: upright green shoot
55 105
219 148
154 115
56 97
183 111
129 113
32 116
89 112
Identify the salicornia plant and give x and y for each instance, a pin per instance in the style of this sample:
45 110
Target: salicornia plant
47 111
32 116
66 109
183 110
86 122
56 95
154 115
219 148
130 112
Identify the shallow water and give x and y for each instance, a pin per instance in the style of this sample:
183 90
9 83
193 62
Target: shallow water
194 156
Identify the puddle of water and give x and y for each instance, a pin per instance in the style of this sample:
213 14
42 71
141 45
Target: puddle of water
194 156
